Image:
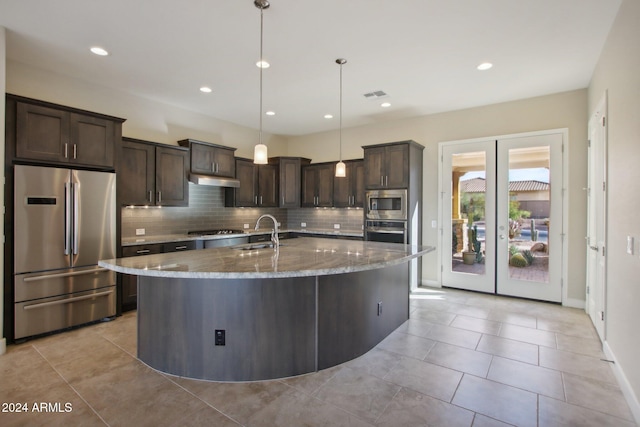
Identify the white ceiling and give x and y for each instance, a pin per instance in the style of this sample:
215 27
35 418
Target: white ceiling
422 53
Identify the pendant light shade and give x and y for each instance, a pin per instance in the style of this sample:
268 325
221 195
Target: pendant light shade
341 168
260 156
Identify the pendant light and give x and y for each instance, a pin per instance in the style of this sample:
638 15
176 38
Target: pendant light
341 168
260 151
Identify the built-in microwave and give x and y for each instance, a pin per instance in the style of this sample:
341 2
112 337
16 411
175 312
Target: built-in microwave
386 204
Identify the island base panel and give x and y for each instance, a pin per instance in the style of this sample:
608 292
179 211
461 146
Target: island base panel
358 310
269 327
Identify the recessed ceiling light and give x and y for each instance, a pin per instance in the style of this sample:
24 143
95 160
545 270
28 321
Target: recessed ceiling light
205 89
99 51
263 64
485 66
328 116
270 113
385 105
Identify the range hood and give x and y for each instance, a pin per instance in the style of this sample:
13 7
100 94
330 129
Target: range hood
214 181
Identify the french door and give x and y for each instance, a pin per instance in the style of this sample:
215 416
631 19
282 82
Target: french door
502 215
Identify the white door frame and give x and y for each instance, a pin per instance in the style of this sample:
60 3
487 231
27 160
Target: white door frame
565 200
596 257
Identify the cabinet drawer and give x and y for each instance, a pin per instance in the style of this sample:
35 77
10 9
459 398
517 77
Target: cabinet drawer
179 246
142 250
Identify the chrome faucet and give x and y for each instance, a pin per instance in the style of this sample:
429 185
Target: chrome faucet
274 232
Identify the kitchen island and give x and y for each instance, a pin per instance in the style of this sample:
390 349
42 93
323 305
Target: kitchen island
256 313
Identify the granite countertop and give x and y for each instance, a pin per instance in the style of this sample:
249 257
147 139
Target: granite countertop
301 257
170 238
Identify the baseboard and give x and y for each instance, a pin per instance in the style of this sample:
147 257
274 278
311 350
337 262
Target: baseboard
574 303
3 346
626 388
431 283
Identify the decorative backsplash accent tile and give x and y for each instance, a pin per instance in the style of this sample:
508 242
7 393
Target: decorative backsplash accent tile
206 210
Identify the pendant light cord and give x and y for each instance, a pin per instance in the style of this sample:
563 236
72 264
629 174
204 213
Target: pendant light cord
341 111
261 67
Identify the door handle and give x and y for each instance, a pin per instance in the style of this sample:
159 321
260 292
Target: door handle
76 213
594 248
502 236
67 217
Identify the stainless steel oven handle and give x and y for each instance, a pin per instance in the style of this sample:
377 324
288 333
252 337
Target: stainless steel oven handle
54 276
66 301
383 230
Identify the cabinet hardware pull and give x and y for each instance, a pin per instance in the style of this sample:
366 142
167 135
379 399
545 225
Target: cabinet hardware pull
382 180
159 196
70 274
255 200
75 151
142 251
260 200
150 196
283 200
213 167
68 300
66 150
179 248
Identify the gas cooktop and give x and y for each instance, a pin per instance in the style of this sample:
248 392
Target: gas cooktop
215 232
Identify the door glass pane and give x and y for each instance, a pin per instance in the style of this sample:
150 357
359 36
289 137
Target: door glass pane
529 213
468 212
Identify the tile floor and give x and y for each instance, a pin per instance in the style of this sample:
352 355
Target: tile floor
463 359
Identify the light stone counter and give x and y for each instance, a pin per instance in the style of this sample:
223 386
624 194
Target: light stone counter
300 257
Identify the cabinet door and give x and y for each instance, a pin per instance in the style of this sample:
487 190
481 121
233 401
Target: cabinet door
289 183
268 185
129 291
309 186
246 195
374 167
202 158
172 187
397 166
42 133
225 163
325 185
357 183
92 140
136 174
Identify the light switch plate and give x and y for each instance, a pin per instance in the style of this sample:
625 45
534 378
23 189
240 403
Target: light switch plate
630 245
246 225
140 231
303 224
434 223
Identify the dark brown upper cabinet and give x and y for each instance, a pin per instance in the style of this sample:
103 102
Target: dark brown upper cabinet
317 185
349 191
211 159
258 185
152 174
289 171
386 166
61 135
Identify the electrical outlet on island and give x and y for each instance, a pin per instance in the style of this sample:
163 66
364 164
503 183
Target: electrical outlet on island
140 231
246 226
336 226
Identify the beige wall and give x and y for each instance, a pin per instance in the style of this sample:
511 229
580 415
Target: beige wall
618 73
146 119
563 110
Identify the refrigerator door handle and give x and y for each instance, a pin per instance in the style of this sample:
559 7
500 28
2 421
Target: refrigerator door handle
67 217
76 214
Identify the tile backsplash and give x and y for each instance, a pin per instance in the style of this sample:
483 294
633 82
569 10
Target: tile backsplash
206 210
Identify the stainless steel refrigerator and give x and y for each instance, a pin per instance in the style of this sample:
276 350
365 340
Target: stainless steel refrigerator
65 222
